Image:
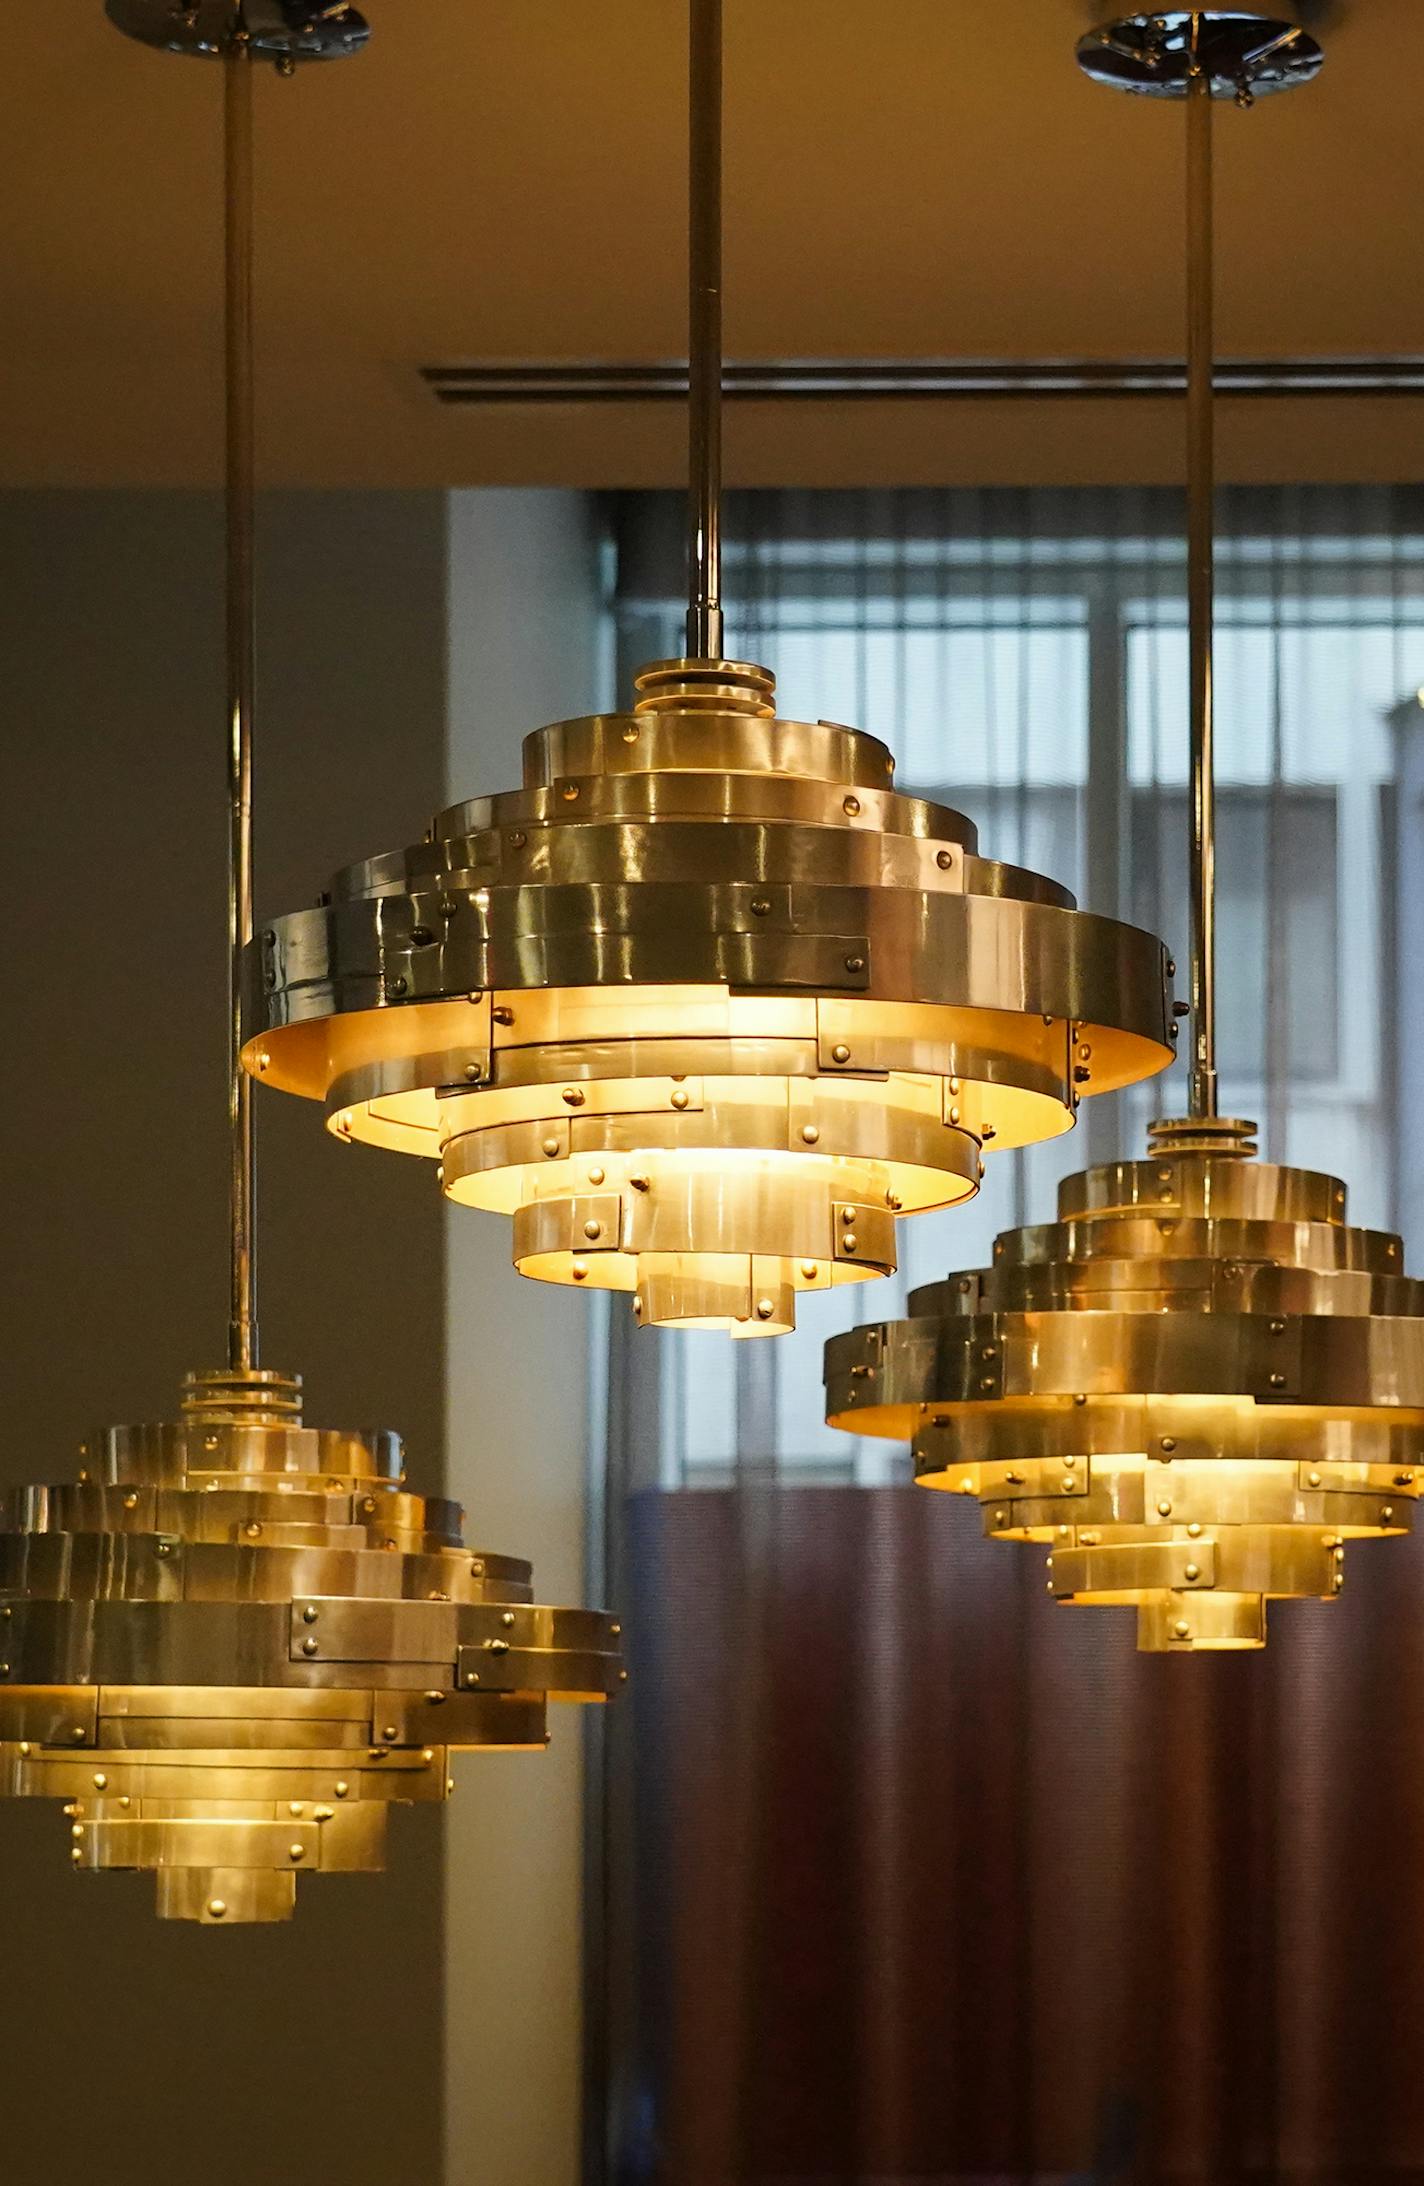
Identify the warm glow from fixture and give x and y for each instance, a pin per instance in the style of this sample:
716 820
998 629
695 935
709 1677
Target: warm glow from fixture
236 1641
1194 1388
705 1006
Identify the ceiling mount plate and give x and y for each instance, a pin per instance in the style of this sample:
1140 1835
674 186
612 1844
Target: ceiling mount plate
1156 54
284 31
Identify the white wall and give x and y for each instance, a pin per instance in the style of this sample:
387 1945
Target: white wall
526 646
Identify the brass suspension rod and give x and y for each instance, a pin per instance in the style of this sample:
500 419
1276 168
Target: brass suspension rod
1201 520
704 613
241 674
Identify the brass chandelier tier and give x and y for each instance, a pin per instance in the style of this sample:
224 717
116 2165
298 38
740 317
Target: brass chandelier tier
1196 1386
705 1005
236 1641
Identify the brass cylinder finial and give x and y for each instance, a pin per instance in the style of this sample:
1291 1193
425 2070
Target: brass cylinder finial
1227 1138
705 686
255 1398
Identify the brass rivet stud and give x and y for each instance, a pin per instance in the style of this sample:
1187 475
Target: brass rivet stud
1164 1510
680 1097
573 1096
840 1053
592 1229
810 1133
944 859
1193 1571
850 806
1182 1629
764 1309
310 1646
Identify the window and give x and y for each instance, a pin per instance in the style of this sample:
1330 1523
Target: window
1025 657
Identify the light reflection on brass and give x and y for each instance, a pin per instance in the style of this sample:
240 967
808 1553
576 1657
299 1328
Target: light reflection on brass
1196 1386
718 958
236 1641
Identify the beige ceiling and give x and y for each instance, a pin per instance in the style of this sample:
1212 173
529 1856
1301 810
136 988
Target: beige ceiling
504 179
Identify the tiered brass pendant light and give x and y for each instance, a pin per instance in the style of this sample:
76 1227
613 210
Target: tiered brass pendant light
706 1004
1200 1382
236 1640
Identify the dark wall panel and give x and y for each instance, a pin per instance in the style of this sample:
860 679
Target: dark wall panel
131 2049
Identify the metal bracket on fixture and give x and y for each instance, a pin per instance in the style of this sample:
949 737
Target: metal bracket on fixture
284 31
1245 54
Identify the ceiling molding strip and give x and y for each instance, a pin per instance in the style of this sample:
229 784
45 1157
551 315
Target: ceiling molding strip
882 379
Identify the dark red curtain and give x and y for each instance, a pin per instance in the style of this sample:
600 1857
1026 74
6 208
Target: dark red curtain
921 1878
